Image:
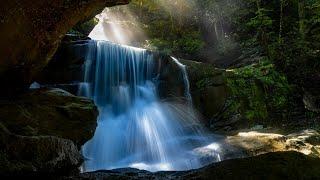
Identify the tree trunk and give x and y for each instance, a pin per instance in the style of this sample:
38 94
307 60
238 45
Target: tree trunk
282 4
301 8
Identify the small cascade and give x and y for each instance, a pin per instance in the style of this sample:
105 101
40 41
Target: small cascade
185 79
135 128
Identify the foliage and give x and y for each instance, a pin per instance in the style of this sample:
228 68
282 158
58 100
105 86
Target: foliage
287 32
284 32
188 44
257 89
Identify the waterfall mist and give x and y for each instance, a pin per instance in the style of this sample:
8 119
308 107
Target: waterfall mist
135 128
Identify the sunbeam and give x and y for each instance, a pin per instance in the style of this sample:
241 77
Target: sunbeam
118 25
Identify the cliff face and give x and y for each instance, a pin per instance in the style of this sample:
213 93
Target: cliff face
31 31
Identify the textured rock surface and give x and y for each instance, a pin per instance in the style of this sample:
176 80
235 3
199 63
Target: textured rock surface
208 87
66 65
51 112
254 143
31 32
280 165
30 155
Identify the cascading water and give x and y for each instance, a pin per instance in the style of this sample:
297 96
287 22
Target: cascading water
135 128
185 79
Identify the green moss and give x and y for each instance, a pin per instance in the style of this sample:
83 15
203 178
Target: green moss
257 90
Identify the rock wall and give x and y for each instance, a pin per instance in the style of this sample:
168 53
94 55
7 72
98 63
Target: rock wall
208 87
31 31
42 131
51 112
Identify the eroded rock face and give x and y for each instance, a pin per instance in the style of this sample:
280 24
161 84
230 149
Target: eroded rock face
50 112
31 32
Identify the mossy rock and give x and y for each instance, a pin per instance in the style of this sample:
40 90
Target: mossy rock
52 112
237 98
207 86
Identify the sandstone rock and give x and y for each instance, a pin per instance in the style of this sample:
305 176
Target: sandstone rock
255 143
30 155
66 65
31 32
208 88
280 165
52 112
207 85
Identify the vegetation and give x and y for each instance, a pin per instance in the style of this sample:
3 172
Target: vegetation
258 90
272 46
287 32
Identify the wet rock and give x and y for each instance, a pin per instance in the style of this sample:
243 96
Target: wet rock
280 165
52 112
171 83
207 86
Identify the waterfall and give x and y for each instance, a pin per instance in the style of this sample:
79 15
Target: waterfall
185 79
135 128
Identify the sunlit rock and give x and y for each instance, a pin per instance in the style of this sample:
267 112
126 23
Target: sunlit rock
255 143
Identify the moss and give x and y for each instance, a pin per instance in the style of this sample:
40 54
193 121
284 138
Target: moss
257 90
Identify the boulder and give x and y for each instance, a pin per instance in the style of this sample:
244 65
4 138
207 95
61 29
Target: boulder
208 87
31 32
254 143
279 165
50 112
30 155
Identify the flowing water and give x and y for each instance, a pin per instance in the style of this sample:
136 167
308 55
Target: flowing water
135 128
185 79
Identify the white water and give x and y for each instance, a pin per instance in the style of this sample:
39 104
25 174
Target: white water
136 129
185 79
